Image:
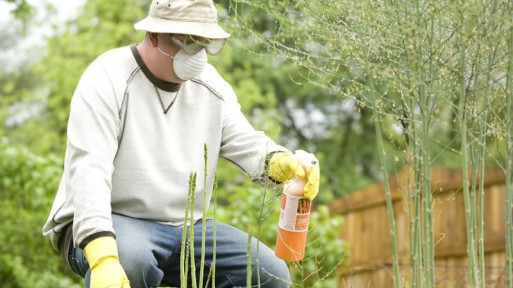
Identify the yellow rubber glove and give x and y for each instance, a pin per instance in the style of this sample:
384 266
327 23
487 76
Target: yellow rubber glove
312 185
284 166
106 271
311 166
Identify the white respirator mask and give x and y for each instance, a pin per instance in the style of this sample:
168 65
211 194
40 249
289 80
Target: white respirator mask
188 66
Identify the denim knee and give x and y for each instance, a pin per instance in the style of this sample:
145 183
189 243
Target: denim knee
276 275
141 267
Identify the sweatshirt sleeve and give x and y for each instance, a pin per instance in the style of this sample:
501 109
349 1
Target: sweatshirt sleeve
91 148
245 147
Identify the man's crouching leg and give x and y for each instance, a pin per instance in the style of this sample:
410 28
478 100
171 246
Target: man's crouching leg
143 246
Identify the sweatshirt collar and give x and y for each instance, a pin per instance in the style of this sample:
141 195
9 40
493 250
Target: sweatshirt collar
163 85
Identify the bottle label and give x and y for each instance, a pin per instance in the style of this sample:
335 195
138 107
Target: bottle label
295 213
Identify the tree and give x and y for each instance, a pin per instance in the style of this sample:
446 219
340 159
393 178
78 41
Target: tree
22 10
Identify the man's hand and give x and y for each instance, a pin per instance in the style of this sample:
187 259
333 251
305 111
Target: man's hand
312 185
311 166
106 271
285 166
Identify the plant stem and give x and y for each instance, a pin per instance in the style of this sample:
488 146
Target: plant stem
427 221
184 267
469 206
426 101
248 267
204 218
483 123
382 152
260 219
509 160
213 266
192 200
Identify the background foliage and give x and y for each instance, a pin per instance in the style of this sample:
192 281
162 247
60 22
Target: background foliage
27 187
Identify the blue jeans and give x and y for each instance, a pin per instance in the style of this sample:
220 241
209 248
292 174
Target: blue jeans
150 254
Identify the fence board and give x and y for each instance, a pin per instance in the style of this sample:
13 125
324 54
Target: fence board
366 229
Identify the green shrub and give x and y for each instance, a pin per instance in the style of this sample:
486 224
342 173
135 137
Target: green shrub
27 187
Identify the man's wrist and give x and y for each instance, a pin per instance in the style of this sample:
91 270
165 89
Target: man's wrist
95 236
268 163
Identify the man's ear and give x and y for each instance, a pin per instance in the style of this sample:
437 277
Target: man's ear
153 38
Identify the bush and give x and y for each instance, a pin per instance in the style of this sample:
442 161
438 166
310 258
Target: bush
27 187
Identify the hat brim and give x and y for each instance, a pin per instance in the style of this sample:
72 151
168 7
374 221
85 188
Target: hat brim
157 25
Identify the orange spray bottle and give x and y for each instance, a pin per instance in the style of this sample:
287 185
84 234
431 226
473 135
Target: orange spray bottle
294 217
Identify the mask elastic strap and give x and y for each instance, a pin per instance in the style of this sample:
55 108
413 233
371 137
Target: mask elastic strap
164 53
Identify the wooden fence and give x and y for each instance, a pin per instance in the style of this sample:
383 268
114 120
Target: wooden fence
366 229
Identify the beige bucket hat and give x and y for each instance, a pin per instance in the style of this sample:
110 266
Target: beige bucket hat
189 17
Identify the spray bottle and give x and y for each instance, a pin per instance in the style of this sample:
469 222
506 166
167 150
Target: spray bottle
294 215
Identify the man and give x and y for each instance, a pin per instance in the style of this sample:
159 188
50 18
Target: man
139 121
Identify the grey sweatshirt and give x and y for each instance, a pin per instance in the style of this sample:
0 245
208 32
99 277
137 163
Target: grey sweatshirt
126 155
